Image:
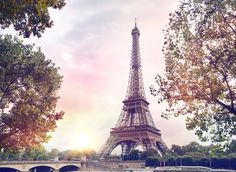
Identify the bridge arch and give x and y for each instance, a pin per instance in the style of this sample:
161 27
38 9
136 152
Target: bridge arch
8 169
44 168
30 166
69 168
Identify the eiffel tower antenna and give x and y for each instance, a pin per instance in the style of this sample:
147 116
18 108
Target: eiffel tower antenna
135 125
135 21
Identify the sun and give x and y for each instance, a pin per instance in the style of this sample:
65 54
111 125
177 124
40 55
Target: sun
84 141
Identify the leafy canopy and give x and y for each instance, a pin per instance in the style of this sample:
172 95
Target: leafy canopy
200 74
28 87
28 16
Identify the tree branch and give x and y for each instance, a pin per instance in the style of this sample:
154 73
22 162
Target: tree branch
229 108
225 20
4 137
229 89
4 91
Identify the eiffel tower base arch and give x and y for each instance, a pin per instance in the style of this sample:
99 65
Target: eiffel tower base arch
129 138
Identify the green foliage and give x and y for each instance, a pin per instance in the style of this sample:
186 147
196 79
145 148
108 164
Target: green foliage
28 16
89 153
28 87
231 155
171 161
203 162
200 55
187 160
69 155
196 155
36 154
193 154
231 147
233 162
225 162
135 155
179 161
139 155
76 155
10 155
149 153
193 147
221 163
152 162
53 153
177 150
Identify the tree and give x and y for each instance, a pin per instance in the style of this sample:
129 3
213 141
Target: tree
231 147
193 147
200 55
70 155
149 153
135 154
28 16
37 153
179 161
171 161
233 162
28 87
152 162
176 150
164 158
89 153
225 163
9 155
204 162
196 155
53 154
187 160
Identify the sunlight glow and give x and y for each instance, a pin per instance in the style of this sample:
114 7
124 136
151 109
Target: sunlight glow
84 141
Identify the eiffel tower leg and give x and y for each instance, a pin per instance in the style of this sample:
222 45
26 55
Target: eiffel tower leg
107 148
161 146
149 144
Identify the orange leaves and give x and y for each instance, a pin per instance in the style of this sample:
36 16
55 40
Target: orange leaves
200 55
28 99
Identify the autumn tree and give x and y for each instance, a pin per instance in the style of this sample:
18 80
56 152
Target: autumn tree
200 74
28 16
28 87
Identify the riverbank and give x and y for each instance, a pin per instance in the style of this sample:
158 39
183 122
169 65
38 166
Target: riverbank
168 169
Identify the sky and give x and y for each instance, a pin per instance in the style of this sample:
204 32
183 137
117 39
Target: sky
91 43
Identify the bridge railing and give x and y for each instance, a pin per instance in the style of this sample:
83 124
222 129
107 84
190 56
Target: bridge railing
39 162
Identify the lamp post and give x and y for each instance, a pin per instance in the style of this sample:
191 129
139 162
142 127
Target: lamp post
210 158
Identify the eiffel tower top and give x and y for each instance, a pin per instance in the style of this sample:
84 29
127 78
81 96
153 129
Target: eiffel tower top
135 86
135 30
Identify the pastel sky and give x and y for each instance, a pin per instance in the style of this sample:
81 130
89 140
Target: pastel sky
91 42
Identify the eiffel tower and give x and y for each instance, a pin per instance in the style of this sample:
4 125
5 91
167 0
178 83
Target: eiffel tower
135 125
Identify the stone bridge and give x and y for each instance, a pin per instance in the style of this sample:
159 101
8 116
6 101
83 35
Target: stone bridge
37 166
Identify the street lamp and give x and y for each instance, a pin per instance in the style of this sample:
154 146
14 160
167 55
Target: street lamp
210 158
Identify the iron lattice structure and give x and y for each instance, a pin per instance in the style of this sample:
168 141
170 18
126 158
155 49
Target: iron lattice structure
135 125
